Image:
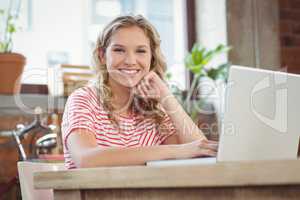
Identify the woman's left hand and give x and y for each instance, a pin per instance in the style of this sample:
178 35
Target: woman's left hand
152 87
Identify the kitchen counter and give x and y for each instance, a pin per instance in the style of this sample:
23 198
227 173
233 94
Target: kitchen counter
25 103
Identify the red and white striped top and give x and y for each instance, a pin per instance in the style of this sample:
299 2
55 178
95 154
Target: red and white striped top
83 110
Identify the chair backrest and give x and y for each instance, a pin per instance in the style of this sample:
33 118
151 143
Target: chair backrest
26 170
75 76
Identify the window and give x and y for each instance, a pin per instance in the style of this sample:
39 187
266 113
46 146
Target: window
65 31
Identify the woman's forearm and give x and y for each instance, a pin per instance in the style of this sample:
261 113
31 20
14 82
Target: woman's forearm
96 156
85 151
187 130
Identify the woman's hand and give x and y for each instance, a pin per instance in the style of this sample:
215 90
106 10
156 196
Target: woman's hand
198 148
152 87
194 143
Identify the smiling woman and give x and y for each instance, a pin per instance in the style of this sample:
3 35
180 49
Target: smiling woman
129 116
128 45
128 57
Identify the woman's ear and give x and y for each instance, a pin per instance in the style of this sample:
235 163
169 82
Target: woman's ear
101 55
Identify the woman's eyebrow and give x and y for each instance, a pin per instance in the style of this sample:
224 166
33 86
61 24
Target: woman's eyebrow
138 46
142 46
118 45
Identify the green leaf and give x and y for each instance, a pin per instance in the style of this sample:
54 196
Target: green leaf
196 69
197 54
189 60
1 47
212 73
11 28
208 57
221 72
195 47
222 49
168 75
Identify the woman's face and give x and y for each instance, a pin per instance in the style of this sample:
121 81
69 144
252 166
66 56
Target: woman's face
128 56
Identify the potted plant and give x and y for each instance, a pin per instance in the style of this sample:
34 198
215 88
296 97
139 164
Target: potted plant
199 100
11 64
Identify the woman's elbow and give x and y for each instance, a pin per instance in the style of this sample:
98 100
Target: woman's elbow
81 161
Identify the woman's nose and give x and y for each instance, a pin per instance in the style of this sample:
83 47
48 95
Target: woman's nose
130 58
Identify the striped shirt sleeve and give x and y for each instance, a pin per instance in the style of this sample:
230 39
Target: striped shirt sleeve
78 114
166 128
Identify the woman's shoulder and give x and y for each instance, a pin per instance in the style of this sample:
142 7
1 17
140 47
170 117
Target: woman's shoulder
85 95
86 92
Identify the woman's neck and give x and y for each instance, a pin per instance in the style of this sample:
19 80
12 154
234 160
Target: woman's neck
121 97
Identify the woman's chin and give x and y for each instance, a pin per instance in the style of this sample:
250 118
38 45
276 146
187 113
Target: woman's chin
129 85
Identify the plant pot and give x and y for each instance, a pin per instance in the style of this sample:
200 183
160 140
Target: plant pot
211 113
207 121
11 69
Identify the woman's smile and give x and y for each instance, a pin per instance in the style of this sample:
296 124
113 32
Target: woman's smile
130 72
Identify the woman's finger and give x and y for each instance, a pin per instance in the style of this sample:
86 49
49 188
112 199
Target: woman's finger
154 92
213 142
144 88
141 91
209 145
207 152
149 89
147 84
206 141
150 76
213 147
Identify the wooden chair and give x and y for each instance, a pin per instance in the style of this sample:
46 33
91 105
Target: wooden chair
26 169
75 76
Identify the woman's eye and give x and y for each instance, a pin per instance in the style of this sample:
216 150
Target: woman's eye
141 51
118 50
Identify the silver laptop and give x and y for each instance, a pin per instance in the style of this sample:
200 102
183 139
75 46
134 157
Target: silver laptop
260 120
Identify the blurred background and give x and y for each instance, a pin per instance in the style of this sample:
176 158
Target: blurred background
263 34
55 32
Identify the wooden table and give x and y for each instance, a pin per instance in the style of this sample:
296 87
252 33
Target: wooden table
262 180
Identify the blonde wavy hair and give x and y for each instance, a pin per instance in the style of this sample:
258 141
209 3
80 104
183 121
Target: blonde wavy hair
147 108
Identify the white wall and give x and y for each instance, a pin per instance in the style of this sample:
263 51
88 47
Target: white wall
56 26
211 25
212 31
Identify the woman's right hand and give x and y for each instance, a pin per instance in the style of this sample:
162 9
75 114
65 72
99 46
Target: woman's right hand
198 148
